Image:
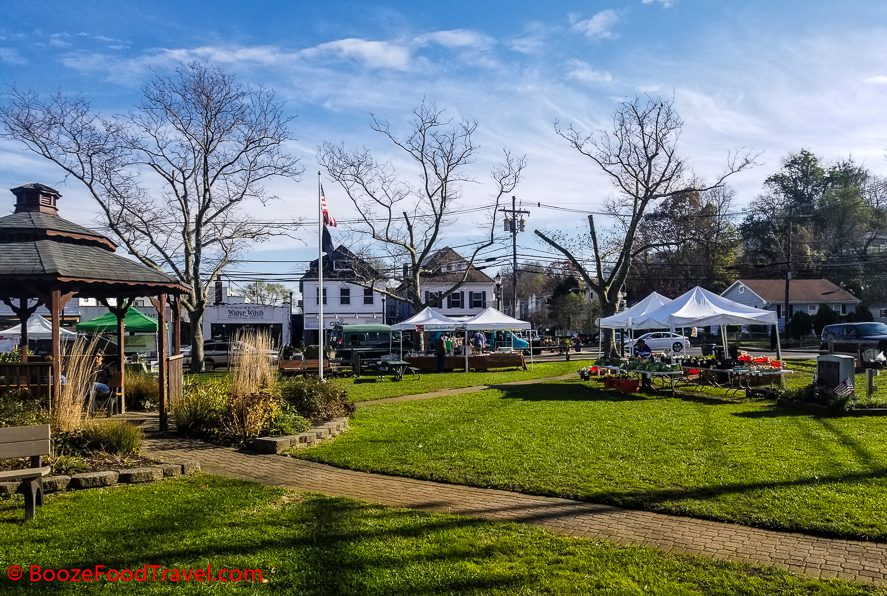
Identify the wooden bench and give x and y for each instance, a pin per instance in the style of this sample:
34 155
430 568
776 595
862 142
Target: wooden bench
26 441
310 366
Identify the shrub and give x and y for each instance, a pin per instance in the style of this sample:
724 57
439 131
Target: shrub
19 408
817 395
799 325
316 400
200 410
68 465
113 436
248 415
142 392
287 422
825 315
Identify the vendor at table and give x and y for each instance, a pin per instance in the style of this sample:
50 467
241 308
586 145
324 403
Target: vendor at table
642 350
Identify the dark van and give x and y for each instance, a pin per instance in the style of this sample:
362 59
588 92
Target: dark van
850 337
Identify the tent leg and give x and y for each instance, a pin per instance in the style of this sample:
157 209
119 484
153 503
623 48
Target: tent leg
465 348
779 357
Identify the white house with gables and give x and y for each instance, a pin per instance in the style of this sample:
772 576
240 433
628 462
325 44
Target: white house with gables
804 294
350 294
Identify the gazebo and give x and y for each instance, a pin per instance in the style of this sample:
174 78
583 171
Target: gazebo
47 260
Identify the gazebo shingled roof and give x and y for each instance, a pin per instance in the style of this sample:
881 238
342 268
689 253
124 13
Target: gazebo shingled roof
51 259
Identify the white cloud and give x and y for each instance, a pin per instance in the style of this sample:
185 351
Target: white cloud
374 54
456 38
582 71
599 26
664 3
12 57
876 80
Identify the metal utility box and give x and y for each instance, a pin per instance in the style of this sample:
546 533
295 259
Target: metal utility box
834 369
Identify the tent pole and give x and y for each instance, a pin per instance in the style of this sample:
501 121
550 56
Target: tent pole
465 348
779 357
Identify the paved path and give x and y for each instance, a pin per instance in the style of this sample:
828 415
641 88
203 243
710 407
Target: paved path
460 390
818 557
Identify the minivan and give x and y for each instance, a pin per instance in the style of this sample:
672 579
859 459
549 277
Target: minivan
850 337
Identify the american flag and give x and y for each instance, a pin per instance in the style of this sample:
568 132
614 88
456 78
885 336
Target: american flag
845 388
328 220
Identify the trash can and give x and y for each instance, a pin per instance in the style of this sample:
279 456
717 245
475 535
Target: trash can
709 349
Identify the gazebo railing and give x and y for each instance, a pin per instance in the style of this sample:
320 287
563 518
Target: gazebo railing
34 376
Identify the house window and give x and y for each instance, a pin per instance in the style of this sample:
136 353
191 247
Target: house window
344 295
317 294
742 289
843 309
455 300
342 266
883 313
433 298
478 299
836 308
368 295
812 308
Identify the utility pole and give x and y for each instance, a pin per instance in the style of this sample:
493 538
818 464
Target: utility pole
788 270
513 225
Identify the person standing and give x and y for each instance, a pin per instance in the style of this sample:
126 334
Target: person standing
440 352
643 351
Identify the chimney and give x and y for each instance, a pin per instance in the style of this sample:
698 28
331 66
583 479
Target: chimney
220 297
36 198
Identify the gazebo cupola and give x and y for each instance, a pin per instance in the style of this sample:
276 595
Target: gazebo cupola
36 197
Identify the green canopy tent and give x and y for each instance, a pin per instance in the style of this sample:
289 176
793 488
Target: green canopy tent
134 322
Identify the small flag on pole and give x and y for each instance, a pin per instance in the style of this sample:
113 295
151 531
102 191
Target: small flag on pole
845 388
328 220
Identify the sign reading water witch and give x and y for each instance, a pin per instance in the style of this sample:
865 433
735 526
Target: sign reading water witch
244 313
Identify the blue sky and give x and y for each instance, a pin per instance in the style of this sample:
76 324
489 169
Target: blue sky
768 76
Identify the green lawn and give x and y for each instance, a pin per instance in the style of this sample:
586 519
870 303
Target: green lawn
319 545
736 460
369 387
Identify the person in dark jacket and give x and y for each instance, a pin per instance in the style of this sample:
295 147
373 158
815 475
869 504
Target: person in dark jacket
440 352
642 350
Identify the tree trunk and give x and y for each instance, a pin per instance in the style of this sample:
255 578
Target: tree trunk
196 322
608 308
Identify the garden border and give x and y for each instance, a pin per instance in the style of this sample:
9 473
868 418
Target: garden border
153 473
315 434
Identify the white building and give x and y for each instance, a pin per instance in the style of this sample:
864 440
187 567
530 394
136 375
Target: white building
441 272
350 293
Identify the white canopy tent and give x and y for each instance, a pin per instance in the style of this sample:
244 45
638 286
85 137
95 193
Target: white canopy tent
699 307
37 327
491 319
429 320
626 318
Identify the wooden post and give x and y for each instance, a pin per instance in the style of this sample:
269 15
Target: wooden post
23 316
177 326
55 299
120 309
160 305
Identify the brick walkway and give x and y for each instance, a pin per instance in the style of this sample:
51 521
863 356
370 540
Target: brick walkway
818 557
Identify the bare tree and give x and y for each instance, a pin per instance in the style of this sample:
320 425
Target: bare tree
170 177
408 219
639 156
269 293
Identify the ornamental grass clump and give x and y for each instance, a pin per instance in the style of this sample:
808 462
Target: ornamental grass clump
78 371
252 362
113 436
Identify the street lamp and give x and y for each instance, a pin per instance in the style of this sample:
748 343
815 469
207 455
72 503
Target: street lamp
384 319
498 280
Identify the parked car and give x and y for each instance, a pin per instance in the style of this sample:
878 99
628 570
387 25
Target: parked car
218 354
663 341
850 337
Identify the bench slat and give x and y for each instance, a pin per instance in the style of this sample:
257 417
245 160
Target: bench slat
25 448
24 474
15 434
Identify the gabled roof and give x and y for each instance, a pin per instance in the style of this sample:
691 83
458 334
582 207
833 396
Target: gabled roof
360 269
801 291
435 268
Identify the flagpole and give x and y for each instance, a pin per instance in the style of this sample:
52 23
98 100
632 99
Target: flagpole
319 280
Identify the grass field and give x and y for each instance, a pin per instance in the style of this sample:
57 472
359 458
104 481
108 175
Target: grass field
745 461
319 545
